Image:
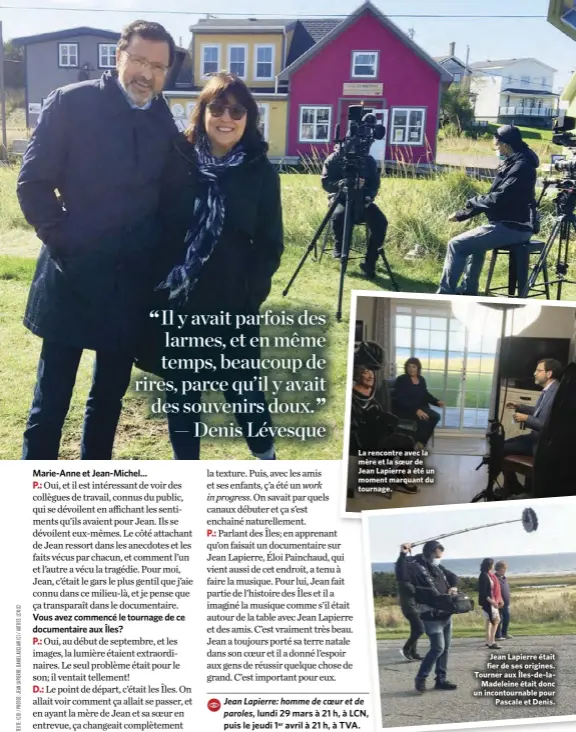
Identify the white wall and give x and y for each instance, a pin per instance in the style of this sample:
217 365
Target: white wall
487 91
540 77
488 87
365 311
553 322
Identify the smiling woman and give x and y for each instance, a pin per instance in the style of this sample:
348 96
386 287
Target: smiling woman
222 218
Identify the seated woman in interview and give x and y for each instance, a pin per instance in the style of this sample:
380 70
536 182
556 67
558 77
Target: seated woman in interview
412 401
223 239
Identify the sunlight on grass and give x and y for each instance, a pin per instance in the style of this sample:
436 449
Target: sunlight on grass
538 611
417 209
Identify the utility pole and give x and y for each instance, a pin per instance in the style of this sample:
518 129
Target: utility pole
466 70
4 150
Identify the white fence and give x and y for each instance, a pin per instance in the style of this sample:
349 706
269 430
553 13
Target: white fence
528 112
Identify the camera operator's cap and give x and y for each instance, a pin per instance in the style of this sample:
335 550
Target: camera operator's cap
430 547
370 355
510 135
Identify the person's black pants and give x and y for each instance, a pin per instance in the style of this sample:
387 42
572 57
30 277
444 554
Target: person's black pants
377 225
425 427
187 427
519 445
55 381
416 631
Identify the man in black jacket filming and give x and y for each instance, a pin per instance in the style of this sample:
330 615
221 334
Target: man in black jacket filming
509 207
433 585
365 210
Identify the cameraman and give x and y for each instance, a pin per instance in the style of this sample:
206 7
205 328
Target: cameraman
509 207
433 584
364 208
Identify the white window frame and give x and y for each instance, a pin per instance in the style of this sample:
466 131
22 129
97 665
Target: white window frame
457 78
365 76
218 47
244 47
525 80
265 118
67 46
111 55
315 107
410 143
257 47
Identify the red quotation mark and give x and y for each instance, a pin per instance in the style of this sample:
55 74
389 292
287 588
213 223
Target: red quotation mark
214 705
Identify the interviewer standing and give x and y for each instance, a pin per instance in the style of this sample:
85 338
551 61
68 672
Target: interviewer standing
509 207
222 216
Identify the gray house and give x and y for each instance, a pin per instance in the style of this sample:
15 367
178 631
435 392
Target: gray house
64 57
459 70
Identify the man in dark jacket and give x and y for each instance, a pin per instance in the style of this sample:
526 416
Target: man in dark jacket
364 209
102 145
434 584
408 605
546 375
509 208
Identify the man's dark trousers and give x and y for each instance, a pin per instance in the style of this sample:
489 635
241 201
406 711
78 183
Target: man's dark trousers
520 445
56 377
416 631
377 225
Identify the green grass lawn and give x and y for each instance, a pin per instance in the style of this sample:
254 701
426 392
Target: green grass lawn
416 209
539 140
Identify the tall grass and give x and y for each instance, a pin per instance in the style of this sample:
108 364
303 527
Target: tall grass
417 211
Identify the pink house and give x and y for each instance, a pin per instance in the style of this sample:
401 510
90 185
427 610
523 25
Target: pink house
368 60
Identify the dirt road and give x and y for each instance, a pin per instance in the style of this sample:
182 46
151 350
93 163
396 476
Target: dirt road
403 706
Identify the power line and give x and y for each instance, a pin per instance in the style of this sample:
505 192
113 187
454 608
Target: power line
132 11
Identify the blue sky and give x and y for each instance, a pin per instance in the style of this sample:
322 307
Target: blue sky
555 532
487 38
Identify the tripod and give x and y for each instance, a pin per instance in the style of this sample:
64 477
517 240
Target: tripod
351 190
559 236
495 434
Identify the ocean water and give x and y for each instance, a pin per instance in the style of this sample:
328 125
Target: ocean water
527 565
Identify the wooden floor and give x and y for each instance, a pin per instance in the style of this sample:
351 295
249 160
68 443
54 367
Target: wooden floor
452 445
457 481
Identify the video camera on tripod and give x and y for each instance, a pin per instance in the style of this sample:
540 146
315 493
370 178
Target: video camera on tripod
363 129
565 203
352 150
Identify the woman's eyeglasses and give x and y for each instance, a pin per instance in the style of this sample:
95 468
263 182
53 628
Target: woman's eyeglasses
236 111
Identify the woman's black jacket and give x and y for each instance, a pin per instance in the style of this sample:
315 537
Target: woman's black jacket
238 275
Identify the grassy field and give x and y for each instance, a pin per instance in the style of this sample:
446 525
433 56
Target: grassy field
539 140
417 210
534 611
